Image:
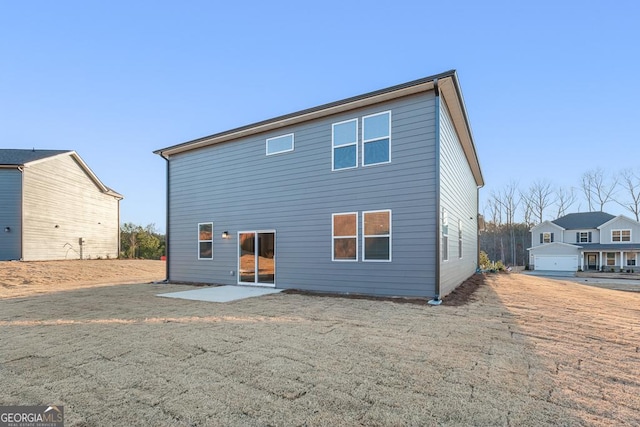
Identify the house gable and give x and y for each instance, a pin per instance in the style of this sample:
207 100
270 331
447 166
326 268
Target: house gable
616 229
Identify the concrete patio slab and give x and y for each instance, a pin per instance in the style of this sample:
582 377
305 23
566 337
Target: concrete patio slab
222 293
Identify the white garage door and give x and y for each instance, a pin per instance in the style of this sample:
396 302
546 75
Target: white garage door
556 263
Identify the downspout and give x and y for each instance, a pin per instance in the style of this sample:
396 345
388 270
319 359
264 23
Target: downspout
21 169
166 234
436 299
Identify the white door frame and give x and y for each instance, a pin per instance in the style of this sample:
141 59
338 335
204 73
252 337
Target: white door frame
256 233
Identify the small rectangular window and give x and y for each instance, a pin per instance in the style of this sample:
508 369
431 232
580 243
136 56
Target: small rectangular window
344 139
547 237
280 144
459 238
205 240
445 235
344 231
376 138
377 235
584 237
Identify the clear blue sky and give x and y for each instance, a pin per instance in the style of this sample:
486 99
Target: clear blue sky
552 88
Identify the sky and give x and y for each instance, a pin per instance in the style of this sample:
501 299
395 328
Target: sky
551 87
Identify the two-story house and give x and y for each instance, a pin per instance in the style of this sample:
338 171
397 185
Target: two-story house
53 207
586 241
375 194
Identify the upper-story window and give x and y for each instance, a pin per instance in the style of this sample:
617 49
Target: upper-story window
376 138
344 137
280 144
546 237
620 235
583 237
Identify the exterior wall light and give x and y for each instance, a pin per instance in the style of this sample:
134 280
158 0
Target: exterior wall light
225 234
7 229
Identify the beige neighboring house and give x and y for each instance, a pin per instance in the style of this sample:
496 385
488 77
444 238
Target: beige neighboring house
53 207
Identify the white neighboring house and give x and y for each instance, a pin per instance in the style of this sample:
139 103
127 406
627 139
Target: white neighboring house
53 207
586 241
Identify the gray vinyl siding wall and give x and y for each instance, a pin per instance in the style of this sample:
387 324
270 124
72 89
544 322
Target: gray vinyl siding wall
459 196
620 224
10 207
59 192
238 188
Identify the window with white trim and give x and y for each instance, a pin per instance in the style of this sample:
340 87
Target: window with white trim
376 138
611 258
445 234
546 237
583 237
280 144
459 238
344 140
631 259
620 235
205 240
377 235
344 229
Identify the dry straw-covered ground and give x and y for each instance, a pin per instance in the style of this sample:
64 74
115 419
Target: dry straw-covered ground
523 351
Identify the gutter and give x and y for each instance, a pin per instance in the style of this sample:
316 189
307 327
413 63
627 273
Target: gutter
166 234
436 299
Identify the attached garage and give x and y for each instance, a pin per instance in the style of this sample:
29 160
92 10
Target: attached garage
556 262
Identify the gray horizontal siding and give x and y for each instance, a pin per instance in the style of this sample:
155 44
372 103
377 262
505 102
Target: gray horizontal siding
59 192
458 195
10 207
236 186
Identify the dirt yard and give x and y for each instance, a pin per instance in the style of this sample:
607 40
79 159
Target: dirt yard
523 351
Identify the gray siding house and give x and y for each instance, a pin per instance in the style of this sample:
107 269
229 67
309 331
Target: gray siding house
586 241
375 194
53 207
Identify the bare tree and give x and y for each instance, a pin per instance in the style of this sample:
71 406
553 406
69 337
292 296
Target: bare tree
598 190
630 181
509 199
564 200
538 198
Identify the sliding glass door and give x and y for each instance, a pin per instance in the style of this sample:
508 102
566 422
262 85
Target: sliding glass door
256 258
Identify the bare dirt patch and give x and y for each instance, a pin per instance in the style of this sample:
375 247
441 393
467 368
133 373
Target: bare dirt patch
521 351
19 279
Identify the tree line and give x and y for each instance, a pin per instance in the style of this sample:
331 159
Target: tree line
510 213
137 241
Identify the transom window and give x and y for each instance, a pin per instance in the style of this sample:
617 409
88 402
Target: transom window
280 144
345 237
376 138
344 137
620 235
377 235
205 240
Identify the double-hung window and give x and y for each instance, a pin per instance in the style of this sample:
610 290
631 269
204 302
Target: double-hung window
377 235
345 237
611 258
344 137
459 238
445 235
205 240
546 237
631 259
583 237
376 138
620 235
280 144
